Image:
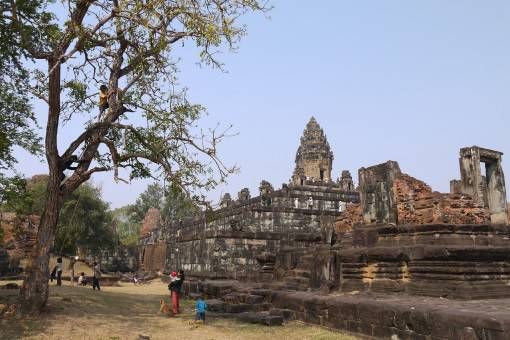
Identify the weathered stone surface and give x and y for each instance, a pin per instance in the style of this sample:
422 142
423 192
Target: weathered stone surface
377 197
417 204
230 242
261 318
345 181
349 217
215 305
486 189
314 158
18 240
151 221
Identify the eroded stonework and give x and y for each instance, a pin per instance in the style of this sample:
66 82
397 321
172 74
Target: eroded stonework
486 189
325 253
314 158
239 239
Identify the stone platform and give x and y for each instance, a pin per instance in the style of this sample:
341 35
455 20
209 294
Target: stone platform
395 316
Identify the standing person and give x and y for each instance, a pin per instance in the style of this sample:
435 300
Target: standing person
180 275
97 276
175 288
59 271
200 307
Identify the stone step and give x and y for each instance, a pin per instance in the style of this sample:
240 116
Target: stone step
215 305
263 318
287 314
246 307
299 272
297 279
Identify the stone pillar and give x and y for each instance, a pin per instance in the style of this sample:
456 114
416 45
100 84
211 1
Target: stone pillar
378 200
488 190
471 174
496 192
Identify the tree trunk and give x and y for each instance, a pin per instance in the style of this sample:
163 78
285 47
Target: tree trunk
35 289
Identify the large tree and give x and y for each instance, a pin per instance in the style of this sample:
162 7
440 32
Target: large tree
127 45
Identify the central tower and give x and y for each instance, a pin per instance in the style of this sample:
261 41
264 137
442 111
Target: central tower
314 158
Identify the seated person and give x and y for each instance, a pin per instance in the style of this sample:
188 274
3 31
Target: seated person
82 280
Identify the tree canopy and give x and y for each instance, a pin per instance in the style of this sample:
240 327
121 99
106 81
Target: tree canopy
146 125
85 223
17 120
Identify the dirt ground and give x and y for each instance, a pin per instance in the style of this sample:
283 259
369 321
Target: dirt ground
128 311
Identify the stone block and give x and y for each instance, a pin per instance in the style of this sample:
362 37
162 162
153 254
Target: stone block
215 305
287 314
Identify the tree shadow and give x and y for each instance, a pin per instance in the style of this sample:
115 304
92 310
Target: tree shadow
66 304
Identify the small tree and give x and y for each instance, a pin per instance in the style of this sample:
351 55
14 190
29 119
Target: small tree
128 45
85 223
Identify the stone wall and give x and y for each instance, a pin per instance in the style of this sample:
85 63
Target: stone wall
235 241
19 238
377 198
389 196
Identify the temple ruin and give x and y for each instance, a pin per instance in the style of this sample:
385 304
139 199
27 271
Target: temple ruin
234 241
488 190
389 259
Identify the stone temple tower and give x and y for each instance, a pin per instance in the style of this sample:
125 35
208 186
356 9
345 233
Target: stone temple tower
314 158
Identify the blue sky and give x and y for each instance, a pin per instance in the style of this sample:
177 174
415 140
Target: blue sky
402 80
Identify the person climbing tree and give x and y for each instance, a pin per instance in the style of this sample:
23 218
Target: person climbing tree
103 100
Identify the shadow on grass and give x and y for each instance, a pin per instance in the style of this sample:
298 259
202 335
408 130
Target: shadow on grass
81 303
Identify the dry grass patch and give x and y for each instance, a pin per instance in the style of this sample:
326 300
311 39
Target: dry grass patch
127 311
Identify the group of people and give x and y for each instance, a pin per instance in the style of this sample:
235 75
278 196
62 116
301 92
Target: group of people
175 286
56 273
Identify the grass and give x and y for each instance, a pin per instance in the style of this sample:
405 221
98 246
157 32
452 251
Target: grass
127 311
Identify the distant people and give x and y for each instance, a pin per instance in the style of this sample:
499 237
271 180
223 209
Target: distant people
200 307
310 202
59 271
82 280
97 276
136 280
296 202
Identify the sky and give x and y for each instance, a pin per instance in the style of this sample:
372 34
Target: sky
410 81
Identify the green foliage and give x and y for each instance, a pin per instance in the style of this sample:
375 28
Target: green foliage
128 230
13 194
17 120
22 196
85 222
172 203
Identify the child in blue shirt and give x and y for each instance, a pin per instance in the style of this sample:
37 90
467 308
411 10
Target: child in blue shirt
200 307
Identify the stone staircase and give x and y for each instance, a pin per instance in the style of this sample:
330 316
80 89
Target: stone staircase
298 278
251 306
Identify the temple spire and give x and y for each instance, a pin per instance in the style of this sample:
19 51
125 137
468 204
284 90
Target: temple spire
314 158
